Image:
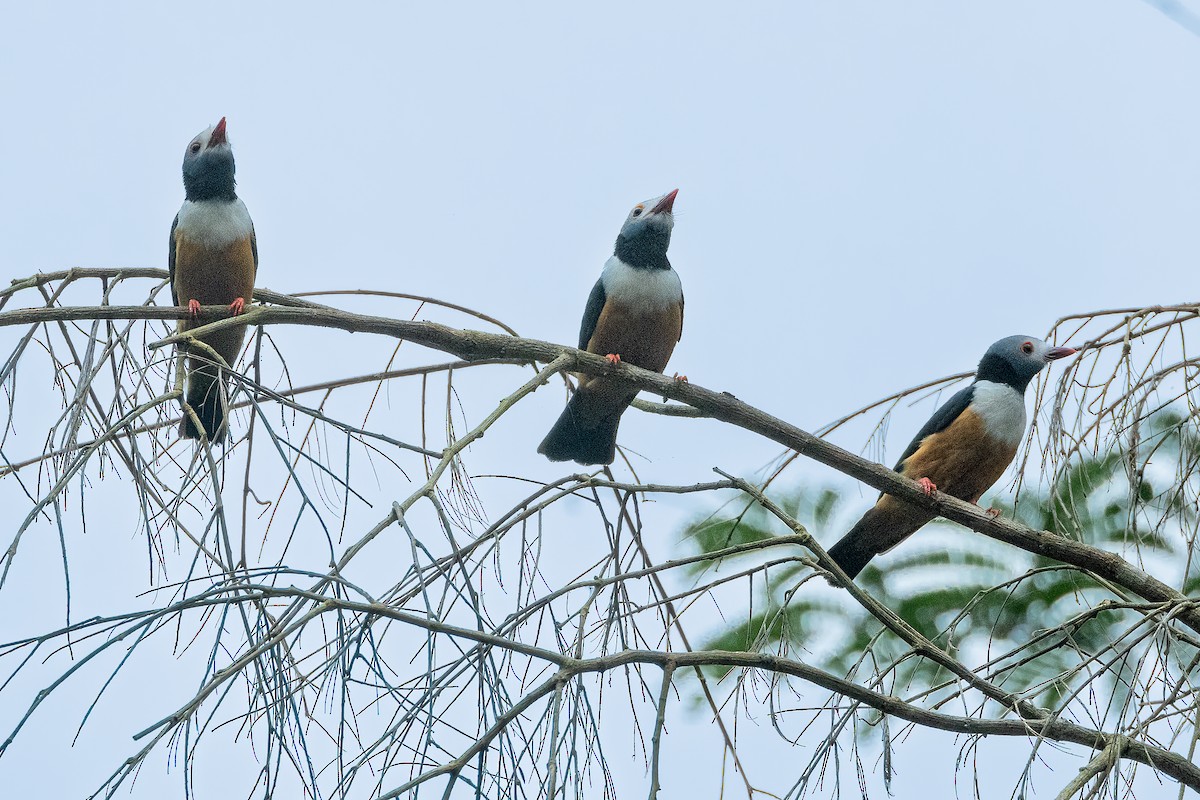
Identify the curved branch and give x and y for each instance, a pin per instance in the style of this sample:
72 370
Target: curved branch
474 345
1169 763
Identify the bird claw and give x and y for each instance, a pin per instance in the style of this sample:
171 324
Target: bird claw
927 486
238 305
992 512
194 308
679 378
613 358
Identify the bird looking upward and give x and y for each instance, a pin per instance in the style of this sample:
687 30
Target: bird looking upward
634 314
962 450
213 261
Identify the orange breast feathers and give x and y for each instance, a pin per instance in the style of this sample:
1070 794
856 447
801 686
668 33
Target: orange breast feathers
962 460
644 338
214 276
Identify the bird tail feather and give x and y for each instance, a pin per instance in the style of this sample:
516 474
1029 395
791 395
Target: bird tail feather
576 436
883 527
206 397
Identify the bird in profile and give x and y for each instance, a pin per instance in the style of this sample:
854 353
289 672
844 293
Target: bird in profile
962 450
213 261
635 315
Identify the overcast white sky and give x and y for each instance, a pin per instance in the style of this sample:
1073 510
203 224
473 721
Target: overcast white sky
870 194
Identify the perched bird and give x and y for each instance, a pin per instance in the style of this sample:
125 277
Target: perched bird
213 261
634 314
962 450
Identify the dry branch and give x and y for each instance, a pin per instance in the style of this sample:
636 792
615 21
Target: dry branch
535 714
723 406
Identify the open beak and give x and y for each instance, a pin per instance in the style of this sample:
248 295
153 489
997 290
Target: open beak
218 134
664 205
1060 352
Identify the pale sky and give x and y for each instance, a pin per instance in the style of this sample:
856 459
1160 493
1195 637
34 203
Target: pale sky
870 194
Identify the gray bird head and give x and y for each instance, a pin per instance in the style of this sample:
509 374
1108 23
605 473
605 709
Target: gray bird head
208 166
646 234
1015 360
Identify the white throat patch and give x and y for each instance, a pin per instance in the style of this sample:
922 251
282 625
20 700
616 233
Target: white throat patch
644 290
1002 409
214 223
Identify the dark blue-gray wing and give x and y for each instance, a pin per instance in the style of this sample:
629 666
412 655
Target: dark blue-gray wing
171 260
591 314
940 420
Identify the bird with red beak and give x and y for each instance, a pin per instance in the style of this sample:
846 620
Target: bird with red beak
634 314
962 450
213 260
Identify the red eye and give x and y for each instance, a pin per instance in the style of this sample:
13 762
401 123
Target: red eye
1027 348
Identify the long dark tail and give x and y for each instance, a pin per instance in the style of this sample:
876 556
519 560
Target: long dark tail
880 529
204 395
578 436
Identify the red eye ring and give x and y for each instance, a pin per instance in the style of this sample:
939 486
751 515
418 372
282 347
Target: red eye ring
1027 348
